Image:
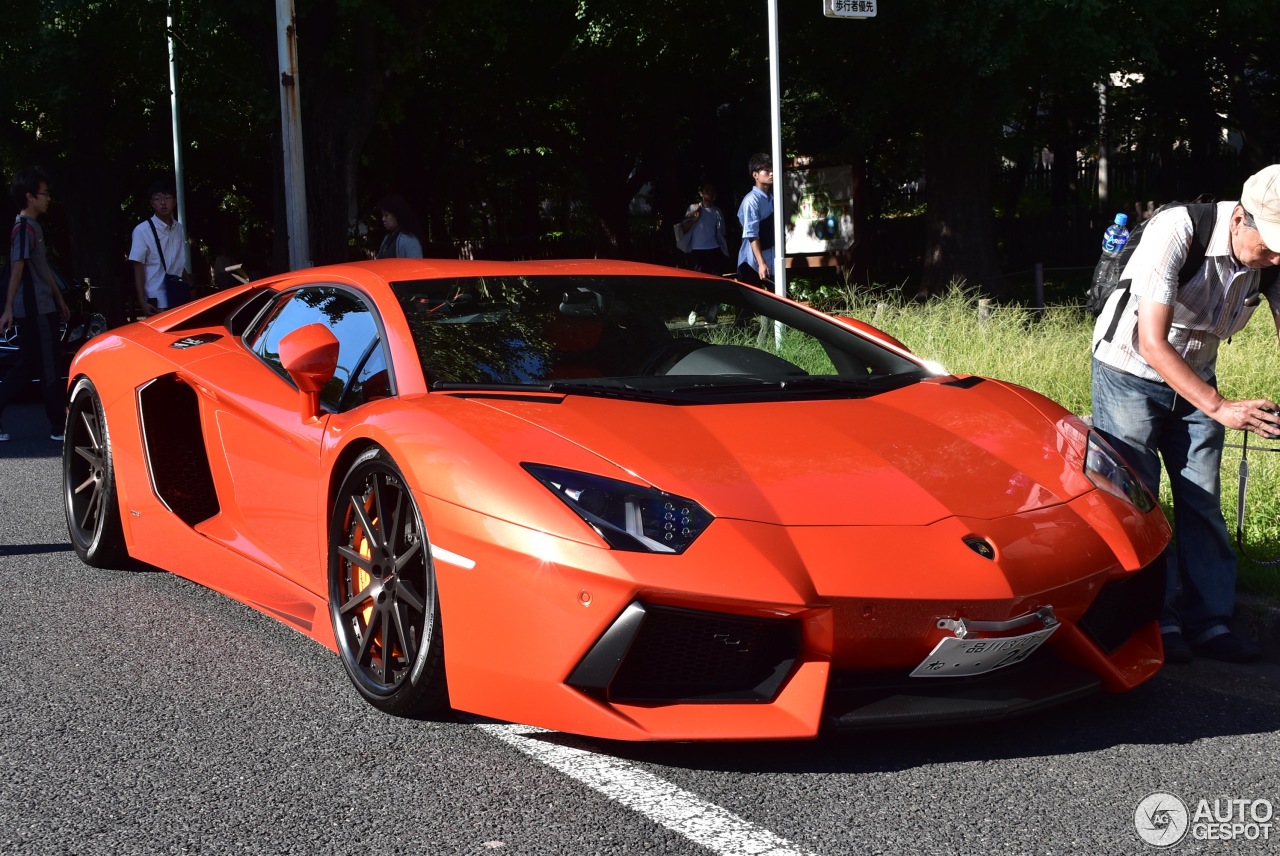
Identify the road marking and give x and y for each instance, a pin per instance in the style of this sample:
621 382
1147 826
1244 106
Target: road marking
715 828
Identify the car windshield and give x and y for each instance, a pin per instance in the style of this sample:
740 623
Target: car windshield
667 337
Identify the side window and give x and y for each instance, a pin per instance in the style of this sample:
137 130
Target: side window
360 353
372 380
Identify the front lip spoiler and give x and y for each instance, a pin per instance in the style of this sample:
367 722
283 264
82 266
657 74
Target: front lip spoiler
1044 681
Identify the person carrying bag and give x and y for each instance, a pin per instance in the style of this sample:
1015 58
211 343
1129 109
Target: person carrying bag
156 287
176 290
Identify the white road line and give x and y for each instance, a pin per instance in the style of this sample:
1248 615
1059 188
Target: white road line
705 823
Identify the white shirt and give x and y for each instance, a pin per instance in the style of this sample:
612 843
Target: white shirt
173 241
1215 304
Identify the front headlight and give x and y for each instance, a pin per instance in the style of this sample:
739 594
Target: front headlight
627 516
1107 472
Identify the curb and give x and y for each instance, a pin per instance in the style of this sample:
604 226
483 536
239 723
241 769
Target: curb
1258 618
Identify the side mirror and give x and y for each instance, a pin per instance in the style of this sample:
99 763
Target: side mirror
310 356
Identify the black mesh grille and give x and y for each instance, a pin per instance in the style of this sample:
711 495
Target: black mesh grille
1125 605
688 655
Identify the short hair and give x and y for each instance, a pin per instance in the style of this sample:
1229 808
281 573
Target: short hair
163 184
1248 220
759 161
26 181
406 218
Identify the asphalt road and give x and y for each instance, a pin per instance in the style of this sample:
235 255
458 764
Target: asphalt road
143 714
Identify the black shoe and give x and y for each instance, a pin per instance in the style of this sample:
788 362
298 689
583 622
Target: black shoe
1229 648
1176 649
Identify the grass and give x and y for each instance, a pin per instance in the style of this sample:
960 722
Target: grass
1049 352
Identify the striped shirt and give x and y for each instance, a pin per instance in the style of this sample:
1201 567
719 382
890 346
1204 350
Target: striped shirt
1216 303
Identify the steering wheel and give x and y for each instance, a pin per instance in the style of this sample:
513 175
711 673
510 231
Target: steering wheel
666 355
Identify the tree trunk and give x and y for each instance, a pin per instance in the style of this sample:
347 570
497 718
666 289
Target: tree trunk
339 107
959 242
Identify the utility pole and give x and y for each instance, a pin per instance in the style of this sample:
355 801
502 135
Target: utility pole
295 186
779 174
177 134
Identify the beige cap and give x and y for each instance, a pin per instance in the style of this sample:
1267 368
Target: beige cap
1261 198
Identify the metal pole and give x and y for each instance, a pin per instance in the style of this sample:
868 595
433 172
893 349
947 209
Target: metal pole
779 178
1038 304
1104 194
177 135
295 188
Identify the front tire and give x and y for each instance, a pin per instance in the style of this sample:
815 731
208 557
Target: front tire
89 482
382 591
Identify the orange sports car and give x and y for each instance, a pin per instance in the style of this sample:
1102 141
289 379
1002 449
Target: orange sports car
616 499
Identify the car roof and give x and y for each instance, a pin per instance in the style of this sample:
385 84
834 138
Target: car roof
401 269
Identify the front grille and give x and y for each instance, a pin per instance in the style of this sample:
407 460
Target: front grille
667 654
876 700
1123 606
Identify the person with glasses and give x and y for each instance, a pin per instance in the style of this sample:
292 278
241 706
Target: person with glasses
34 302
1155 394
755 256
159 253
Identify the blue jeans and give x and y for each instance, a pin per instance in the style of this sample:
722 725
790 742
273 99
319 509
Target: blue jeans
1146 421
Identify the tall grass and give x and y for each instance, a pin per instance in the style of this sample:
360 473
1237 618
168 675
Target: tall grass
1049 352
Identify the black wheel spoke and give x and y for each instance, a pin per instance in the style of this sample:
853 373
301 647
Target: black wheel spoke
379 512
408 596
355 558
90 516
90 482
357 601
90 454
366 640
409 555
372 535
90 421
407 645
384 629
393 527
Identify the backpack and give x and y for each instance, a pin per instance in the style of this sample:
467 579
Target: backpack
1106 274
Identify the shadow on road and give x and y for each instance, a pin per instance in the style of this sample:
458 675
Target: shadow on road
1165 711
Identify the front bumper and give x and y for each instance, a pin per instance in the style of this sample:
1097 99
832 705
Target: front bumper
764 632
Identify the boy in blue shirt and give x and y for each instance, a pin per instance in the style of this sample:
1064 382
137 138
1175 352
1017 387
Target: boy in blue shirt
755 256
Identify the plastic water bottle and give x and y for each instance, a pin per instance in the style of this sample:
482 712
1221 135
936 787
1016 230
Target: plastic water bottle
1107 272
1116 236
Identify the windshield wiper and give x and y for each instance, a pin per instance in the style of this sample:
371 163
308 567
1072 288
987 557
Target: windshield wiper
740 385
607 388
884 383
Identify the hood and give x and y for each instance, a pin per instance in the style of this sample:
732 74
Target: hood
907 457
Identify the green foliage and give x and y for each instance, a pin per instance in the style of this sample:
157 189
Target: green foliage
508 121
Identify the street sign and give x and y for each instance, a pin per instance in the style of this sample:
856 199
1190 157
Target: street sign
849 8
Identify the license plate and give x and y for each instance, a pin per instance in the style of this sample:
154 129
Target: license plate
954 657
